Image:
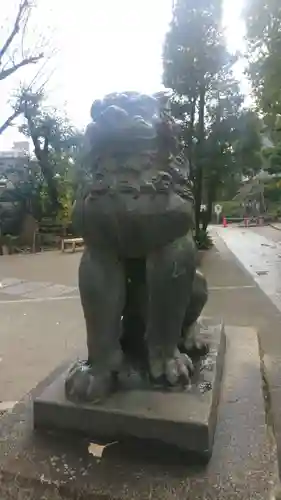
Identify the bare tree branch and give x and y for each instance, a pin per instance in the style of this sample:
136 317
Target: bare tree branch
35 79
23 7
9 120
13 57
25 62
24 30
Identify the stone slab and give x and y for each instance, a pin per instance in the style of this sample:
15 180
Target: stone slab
53 290
186 419
6 282
56 466
25 287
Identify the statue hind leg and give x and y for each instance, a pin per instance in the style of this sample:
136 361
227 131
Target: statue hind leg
170 275
190 343
102 290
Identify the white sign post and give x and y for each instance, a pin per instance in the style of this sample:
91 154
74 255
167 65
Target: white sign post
218 211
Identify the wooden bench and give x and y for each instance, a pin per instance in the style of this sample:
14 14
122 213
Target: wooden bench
73 242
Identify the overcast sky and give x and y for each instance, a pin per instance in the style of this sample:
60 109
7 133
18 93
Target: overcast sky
104 46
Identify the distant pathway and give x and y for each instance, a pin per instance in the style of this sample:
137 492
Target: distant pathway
39 277
259 251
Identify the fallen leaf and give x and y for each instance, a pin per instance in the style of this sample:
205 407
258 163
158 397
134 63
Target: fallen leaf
97 450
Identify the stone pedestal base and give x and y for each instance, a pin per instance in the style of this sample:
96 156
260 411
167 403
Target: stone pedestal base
186 419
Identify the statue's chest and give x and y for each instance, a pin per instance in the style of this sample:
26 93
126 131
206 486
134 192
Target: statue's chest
142 173
124 175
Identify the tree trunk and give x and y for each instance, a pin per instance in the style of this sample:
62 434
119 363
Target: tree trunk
42 155
211 196
190 145
212 183
47 172
199 166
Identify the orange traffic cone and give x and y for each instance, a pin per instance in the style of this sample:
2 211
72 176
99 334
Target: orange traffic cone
224 222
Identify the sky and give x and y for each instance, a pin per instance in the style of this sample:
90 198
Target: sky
103 46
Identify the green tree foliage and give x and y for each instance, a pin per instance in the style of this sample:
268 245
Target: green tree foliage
248 143
263 20
222 139
56 144
194 53
272 155
232 144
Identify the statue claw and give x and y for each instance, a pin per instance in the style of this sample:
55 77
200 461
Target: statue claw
192 344
175 371
179 370
82 385
187 363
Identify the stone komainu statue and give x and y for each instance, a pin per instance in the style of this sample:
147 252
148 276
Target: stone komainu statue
140 291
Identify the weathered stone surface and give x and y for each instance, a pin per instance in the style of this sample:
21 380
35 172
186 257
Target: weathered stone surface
134 209
50 466
185 419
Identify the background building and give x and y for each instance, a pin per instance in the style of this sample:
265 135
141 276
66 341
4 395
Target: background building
13 162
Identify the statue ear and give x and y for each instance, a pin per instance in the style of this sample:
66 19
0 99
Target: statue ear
167 93
163 99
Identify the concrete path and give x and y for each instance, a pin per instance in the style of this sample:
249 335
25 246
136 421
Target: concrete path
38 333
41 319
260 256
53 266
17 289
42 322
238 259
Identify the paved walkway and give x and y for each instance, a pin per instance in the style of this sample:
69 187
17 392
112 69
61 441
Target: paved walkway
237 259
44 276
238 297
41 319
53 266
276 225
34 290
37 335
260 256
39 332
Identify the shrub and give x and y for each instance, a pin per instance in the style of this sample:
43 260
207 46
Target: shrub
203 240
272 192
231 209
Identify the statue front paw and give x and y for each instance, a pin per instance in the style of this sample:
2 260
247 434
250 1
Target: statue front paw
193 342
82 385
179 370
172 372
197 350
